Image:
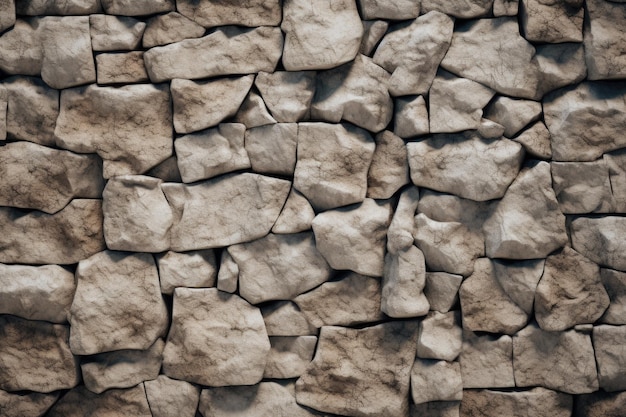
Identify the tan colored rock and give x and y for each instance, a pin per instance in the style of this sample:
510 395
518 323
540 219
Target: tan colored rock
211 152
272 148
250 51
402 227
169 397
378 379
610 356
65 237
459 8
616 162
404 278
253 112
600 404
435 381
411 117
115 33
559 65
137 7
284 318
435 409
195 269
216 339
440 336
209 13
519 280
615 284
35 356
166 170
392 10
33 404
389 169
36 293
604 40
7 14
89 121
505 8
489 129
598 239
486 361
3 112
80 402
441 290
538 402
228 274
287 94
412 54
57 7
296 216
553 22
373 32
243 207
536 141
117 305
121 68
169 28
21 50
289 356
513 114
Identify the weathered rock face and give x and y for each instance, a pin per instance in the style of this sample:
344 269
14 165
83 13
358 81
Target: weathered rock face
272 148
115 33
538 402
404 278
21 48
284 318
80 402
195 269
169 28
393 10
289 356
513 114
228 275
440 336
210 13
610 356
287 94
616 163
411 116
615 284
519 280
253 112
600 404
137 7
296 215
459 8
552 22
536 141
596 238
604 40
31 404
7 7
168 397
435 409
435 381
389 169
441 290
109 68
486 361
57 7
402 227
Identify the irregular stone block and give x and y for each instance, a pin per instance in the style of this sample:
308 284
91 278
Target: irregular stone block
289 356
296 216
615 284
57 7
137 7
610 356
287 94
538 402
536 141
209 13
392 10
450 208
559 66
169 397
490 129
166 170
402 227
216 339
505 8
435 381
7 14
440 336
21 50
458 8
121 68
115 33
600 404
117 305
597 239
253 112
486 361
404 278
284 318
552 22
195 269
513 114
435 409
32 404
3 112
605 52
441 290
389 169
228 275
80 402
272 148
373 32
616 162
169 28
519 280
411 117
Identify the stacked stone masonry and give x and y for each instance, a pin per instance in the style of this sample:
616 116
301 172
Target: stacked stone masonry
286 208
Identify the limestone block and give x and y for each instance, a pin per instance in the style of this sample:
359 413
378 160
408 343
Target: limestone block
373 32
121 68
538 402
253 112
115 33
169 397
209 13
486 361
272 148
80 402
195 269
168 28
287 94
440 336
433 380
289 356
519 280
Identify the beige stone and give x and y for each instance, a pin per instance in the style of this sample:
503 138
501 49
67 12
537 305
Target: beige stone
441 290
21 50
287 94
404 277
195 269
604 40
519 280
137 7
440 336
57 7
272 148
115 33
169 28
31 404
402 227
389 169
536 141
121 68
289 356
537 401
435 381
373 32
610 356
513 114
209 13
296 216
228 274
392 10
253 112
615 284
459 8
411 117
598 239
80 402
284 318
553 22
486 361
169 397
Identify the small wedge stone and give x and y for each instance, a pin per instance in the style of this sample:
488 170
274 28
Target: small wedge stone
404 278
296 216
411 117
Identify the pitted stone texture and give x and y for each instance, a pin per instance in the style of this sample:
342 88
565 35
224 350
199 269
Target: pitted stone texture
389 169
355 92
289 356
216 339
35 356
32 110
122 368
332 164
115 33
519 280
195 269
404 278
600 404
616 163
605 51
228 275
435 381
553 22
36 293
284 318
412 54
440 336
202 104
90 117
65 237
443 163
137 7
21 50
599 240
527 222
435 409
608 342
570 112
489 129
279 267
169 397
411 117
563 361
224 211
539 402
7 14
250 50
117 304
57 7
615 284
459 8
505 8
272 148
486 361
402 227
169 28
441 290
354 299
354 237
296 216
287 94
137 216
253 112
209 13
81 402
513 114
32 404
392 10
361 372
536 141
373 32
41 178
320 35
121 68
212 152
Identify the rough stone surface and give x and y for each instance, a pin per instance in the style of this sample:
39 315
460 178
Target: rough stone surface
166 170
169 397
610 356
538 402
209 13
604 40
169 28
21 48
389 169
7 14
115 33
404 278
373 32
296 216
287 94
137 7
33 404
486 361
195 269
616 162
559 66
441 290
513 114
489 129
392 10
121 68
505 8
272 148
440 336
228 275
435 381
519 280
600 404
402 227
117 304
253 112
378 382
57 7
597 239
435 409
458 8
80 402
289 356
411 117
216 339
553 22
615 284
536 141
284 318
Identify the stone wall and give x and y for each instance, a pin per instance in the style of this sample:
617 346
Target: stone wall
369 208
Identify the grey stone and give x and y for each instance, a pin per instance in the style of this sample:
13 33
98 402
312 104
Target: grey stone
536 141
411 117
209 13
373 32
597 239
296 216
505 8
600 404
404 278
32 404
115 33
284 318
435 381
553 22
513 114
486 361
610 356
402 227
441 290
289 356
287 94
166 170
272 148
3 112
168 28
228 275
137 7
389 169
615 284
435 409
489 129
537 401
195 269
392 10
582 187
440 336
169 397
604 40
519 280
616 162
7 14
559 65
21 50
121 68
459 8
253 112
80 402
57 7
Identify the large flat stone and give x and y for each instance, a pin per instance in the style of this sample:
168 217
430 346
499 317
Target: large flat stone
598 238
209 13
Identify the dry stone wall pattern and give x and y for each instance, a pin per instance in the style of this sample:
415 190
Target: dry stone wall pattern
293 208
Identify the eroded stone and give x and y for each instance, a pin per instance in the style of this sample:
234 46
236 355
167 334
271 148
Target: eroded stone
284 318
604 40
137 7
392 10
599 240
287 94
195 269
600 404
289 356
21 50
538 402
57 7
228 275
121 68
459 8
440 336
209 13
296 216
7 14
513 114
486 361
169 28
411 117
168 397
435 381
272 148
441 290
615 284
553 22
373 32
402 227
610 356
616 163
389 169
519 280
33 404
115 33
80 402
253 112
404 278
536 141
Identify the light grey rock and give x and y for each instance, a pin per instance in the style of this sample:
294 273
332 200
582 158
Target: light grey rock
228 275
536 141
354 299
615 284
137 7
391 10
137 216
435 409
440 336
373 32
202 104
332 164
284 318
115 33
355 92
323 39
289 356
559 65
442 163
435 381
209 13
216 339
250 50
447 246
616 162
569 113
456 104
7 14
57 7
21 50
296 216
65 237
600 404
441 290
402 227
537 401
598 239
122 368
90 117
272 148
117 305
377 357
287 94
195 269
582 187
486 361
610 356
411 117
121 68
166 170
505 8
211 214
168 28
412 54
486 306
36 293
35 356
353 237
32 404
37 177
489 129
3 112
404 278
389 169
553 22
459 8
279 267
513 114
253 112
32 110
169 397
519 280
211 152
604 40
563 361
527 222
80 402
